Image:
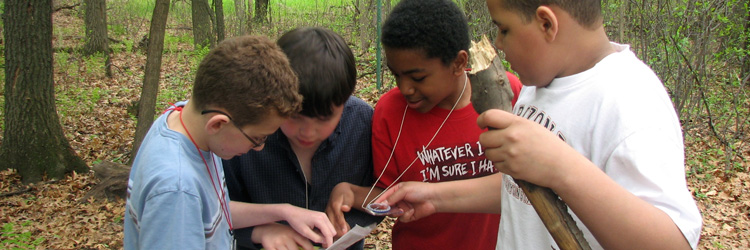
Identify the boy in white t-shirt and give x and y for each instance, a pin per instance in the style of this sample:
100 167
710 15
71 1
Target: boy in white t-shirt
615 153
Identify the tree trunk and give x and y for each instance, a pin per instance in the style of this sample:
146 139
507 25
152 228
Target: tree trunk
220 29
479 12
745 72
241 12
147 103
202 24
33 139
621 24
366 22
261 11
95 20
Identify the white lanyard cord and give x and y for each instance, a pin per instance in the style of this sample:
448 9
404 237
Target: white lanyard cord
466 79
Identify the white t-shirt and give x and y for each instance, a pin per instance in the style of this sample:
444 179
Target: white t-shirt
618 115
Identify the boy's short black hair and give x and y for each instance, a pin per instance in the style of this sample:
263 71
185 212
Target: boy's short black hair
588 13
438 27
250 77
325 67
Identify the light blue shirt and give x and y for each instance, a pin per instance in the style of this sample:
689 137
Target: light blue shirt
172 203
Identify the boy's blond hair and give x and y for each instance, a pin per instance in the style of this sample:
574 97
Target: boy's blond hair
250 77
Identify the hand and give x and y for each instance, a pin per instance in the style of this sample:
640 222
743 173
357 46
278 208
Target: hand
312 224
524 149
413 199
276 236
341 201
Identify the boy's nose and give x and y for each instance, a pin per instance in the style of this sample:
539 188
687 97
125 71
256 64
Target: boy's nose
306 131
498 44
405 88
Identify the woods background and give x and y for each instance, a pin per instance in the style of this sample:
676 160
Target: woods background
111 71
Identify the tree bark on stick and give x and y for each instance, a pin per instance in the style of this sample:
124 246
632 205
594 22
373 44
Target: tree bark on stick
490 89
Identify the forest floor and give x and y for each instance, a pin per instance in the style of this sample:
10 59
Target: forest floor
96 113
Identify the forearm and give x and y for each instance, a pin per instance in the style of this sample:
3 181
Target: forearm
479 195
251 214
602 204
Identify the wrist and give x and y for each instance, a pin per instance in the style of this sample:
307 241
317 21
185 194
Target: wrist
257 235
285 210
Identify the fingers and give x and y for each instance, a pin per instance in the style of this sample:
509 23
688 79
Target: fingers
281 237
406 212
315 226
336 216
342 225
328 232
303 243
495 118
317 237
390 196
335 211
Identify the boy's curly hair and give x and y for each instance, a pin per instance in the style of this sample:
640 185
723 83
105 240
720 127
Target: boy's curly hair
588 13
438 27
250 77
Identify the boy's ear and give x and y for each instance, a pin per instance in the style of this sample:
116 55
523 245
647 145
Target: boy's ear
547 21
216 123
461 62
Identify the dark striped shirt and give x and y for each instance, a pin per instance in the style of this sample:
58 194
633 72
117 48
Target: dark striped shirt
273 175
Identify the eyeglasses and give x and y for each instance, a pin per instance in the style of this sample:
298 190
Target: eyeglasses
256 142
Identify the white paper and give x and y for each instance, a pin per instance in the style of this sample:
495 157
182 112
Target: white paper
355 234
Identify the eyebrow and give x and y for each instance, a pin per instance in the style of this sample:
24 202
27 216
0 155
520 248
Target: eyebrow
411 71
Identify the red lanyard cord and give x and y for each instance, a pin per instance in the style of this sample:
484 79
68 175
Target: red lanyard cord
222 199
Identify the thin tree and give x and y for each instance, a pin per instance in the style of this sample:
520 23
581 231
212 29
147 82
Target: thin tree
220 28
147 103
241 12
95 20
477 10
745 44
261 11
202 24
33 140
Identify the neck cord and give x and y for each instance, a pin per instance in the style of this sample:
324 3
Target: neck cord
466 79
307 202
222 200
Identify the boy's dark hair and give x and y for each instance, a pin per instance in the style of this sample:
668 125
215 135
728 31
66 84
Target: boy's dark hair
587 13
249 76
438 27
324 65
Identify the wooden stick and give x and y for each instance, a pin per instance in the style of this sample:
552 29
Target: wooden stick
490 89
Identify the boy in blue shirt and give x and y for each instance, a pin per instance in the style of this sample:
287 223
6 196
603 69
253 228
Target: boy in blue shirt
177 199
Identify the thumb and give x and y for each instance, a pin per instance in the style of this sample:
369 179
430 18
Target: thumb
391 196
495 118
